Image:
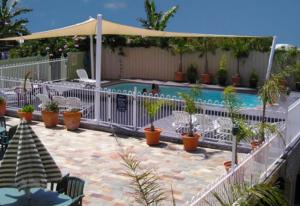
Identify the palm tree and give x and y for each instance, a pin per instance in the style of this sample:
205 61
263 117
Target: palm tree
156 20
10 24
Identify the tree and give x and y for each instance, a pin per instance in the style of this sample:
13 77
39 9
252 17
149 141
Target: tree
10 22
156 20
240 49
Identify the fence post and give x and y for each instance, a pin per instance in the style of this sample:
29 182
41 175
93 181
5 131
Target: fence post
134 115
38 71
109 106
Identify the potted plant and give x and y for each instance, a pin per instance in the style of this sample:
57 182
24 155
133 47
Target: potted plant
192 74
205 46
2 106
222 72
253 80
180 46
152 134
72 118
26 112
190 139
50 114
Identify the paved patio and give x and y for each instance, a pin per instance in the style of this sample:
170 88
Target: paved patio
94 156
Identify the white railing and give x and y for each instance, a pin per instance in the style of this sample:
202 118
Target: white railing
45 70
258 165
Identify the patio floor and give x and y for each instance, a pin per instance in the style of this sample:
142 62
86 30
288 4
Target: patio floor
94 156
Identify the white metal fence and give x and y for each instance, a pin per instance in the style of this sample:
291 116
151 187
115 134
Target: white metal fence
44 70
257 166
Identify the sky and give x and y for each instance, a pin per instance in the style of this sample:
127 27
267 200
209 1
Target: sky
239 17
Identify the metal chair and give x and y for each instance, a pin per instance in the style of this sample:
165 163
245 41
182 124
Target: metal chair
3 132
77 201
5 140
74 189
61 101
73 103
62 185
83 77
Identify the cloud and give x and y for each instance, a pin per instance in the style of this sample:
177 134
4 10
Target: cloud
115 5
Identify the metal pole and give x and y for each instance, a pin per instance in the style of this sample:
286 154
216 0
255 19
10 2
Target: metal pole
271 57
98 66
134 117
92 56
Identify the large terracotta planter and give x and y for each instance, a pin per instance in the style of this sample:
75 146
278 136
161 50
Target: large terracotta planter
205 78
72 120
236 80
227 165
190 143
152 137
25 115
179 76
2 108
50 119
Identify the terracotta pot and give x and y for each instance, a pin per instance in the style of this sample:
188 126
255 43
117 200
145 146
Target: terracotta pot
179 76
2 108
190 143
152 137
205 78
72 120
254 144
50 119
236 80
25 115
227 165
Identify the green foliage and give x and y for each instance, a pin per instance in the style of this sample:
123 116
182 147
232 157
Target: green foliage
246 195
27 108
285 58
192 73
253 79
222 72
190 105
11 21
144 182
51 106
156 20
152 108
232 102
2 100
296 71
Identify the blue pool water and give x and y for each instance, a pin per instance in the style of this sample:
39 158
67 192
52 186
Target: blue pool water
208 95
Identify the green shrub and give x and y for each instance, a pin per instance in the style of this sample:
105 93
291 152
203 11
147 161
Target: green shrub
222 72
192 73
51 107
27 108
2 100
253 80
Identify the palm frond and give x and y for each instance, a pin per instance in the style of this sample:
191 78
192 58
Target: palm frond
166 17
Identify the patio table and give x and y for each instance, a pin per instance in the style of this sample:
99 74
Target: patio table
37 196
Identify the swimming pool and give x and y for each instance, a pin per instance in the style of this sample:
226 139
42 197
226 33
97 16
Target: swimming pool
208 95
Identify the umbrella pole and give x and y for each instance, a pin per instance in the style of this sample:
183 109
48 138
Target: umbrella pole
28 195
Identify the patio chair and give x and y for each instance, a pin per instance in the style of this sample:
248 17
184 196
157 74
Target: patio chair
59 186
73 103
5 141
3 133
61 101
75 188
181 121
77 201
224 132
43 98
205 125
83 76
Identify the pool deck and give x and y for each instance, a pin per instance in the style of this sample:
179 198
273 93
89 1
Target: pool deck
94 156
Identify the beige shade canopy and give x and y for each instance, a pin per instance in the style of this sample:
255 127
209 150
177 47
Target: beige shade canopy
109 28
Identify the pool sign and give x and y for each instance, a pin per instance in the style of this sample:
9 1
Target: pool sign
122 103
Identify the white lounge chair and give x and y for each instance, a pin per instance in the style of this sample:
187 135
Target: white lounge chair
83 76
224 132
61 101
43 98
205 124
181 121
73 103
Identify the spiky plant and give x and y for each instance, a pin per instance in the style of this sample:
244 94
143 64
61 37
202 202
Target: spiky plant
242 194
152 108
145 184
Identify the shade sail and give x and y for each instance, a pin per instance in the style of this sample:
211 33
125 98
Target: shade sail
27 163
109 28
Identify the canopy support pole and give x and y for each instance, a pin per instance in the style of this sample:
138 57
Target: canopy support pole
92 56
271 57
98 66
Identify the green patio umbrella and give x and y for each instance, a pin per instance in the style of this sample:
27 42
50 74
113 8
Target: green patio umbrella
27 163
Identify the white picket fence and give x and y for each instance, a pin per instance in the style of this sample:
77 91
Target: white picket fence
257 166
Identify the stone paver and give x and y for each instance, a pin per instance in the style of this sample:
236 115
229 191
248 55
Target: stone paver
94 157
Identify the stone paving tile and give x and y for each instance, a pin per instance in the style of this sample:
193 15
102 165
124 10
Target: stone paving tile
94 157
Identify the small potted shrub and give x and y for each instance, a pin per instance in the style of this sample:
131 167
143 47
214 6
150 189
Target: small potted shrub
152 134
222 72
50 114
190 139
253 80
192 74
26 112
2 106
72 118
